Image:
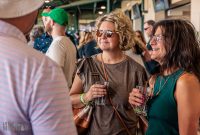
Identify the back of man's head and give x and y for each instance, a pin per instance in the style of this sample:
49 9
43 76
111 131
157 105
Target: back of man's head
21 13
18 8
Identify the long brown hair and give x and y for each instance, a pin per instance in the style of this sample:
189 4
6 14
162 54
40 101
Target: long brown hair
181 44
141 36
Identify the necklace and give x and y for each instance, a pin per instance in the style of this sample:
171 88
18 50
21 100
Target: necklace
161 87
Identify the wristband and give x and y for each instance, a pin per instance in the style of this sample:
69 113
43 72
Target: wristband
82 100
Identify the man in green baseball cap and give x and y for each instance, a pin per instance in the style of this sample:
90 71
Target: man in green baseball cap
58 15
61 50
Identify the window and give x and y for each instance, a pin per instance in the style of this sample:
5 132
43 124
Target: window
160 5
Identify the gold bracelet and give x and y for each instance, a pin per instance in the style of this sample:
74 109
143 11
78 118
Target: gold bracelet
82 100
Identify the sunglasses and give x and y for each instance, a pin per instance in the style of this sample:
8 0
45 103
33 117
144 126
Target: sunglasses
106 33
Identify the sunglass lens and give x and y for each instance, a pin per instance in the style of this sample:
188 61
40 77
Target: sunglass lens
106 33
109 34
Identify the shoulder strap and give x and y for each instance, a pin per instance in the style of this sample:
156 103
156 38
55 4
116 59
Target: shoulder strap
118 116
111 102
96 77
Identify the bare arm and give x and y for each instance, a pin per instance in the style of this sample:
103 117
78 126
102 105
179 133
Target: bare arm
75 91
187 95
96 90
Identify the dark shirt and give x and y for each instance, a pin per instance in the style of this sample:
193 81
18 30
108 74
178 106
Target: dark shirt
152 66
88 49
149 46
43 42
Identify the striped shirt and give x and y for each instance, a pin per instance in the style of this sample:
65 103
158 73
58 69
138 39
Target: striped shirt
33 91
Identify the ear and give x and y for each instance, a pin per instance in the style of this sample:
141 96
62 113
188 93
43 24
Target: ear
52 22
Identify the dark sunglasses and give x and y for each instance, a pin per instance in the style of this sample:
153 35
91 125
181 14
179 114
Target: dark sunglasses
107 33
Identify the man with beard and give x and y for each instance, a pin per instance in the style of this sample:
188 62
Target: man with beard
31 102
61 50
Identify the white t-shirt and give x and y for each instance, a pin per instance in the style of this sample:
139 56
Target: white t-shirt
63 52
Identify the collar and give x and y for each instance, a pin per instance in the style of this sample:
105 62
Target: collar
7 29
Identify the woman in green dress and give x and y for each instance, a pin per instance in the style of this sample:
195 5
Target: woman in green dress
174 108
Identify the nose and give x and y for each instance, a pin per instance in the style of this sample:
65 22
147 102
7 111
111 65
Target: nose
103 35
152 41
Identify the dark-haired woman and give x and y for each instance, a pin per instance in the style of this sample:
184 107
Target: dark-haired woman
175 105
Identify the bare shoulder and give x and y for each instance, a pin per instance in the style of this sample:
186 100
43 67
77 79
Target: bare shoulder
188 83
188 79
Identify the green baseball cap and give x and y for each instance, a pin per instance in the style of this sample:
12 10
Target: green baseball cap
58 15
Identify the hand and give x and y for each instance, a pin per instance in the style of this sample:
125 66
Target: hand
146 55
96 90
135 97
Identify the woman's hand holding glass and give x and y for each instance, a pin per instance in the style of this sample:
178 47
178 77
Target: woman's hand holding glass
95 91
135 97
138 98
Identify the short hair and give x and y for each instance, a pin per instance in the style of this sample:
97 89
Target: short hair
123 26
181 44
150 22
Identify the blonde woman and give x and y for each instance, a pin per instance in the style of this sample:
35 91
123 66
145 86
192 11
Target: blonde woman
114 34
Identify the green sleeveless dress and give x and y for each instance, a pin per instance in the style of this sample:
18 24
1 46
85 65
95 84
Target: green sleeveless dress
162 108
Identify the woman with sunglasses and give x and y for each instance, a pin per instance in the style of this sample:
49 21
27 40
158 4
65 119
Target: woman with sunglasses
174 108
114 34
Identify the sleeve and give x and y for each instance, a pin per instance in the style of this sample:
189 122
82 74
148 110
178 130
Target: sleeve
49 106
56 52
81 69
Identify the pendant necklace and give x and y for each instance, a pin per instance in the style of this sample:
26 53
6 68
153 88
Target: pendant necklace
161 87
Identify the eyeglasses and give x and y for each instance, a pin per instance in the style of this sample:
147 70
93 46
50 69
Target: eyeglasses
157 38
146 28
106 33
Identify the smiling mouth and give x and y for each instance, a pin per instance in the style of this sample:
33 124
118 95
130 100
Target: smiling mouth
155 49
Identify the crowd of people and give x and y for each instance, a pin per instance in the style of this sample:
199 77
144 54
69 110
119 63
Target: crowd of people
38 90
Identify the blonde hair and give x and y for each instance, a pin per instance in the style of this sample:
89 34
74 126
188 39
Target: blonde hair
85 37
123 27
